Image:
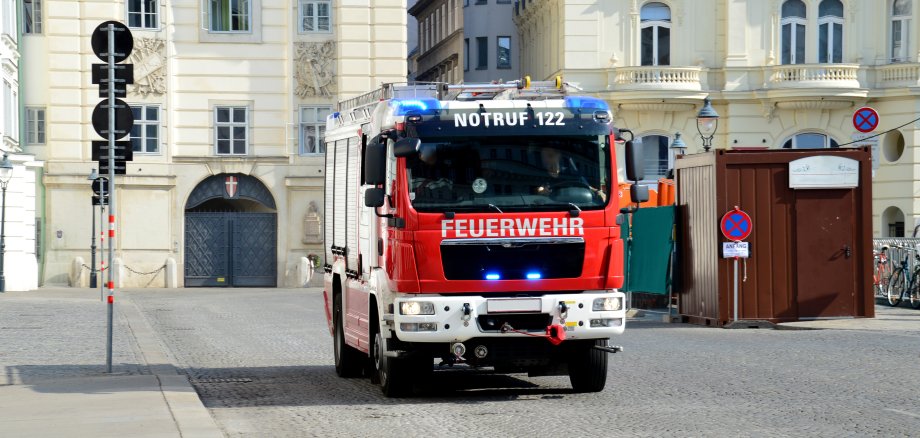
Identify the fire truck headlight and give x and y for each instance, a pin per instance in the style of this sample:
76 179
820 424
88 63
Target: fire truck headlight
607 304
416 308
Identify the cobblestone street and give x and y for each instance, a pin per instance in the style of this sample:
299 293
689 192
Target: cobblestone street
261 360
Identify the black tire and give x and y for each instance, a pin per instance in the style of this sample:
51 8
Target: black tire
588 366
895 285
392 373
348 360
915 290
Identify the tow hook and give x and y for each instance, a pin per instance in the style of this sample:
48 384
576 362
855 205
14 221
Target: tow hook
563 310
609 348
467 314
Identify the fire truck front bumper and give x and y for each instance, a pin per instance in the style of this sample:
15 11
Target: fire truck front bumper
443 318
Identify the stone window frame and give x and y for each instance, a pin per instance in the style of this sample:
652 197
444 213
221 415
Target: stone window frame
36 125
143 13
655 25
246 125
301 7
141 124
316 122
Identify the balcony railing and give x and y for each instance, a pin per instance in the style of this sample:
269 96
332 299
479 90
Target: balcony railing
658 78
814 76
898 75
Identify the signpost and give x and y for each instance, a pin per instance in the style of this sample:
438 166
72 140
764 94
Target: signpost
865 119
112 42
736 225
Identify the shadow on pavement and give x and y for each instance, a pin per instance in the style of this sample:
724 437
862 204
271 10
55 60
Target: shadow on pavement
293 385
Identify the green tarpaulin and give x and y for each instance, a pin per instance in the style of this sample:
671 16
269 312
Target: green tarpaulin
650 251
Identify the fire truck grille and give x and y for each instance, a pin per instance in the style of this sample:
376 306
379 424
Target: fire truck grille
532 260
522 321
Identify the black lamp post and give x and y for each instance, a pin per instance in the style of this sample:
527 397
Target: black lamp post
6 171
92 263
707 122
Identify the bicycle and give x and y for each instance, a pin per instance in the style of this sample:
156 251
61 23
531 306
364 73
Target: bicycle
880 272
903 283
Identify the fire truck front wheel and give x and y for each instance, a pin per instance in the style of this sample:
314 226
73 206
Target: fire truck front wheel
348 360
588 366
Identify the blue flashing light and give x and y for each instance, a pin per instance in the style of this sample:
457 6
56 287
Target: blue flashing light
585 102
534 276
493 276
402 107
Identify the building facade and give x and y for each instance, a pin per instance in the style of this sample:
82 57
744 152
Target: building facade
20 264
490 42
465 41
229 100
780 73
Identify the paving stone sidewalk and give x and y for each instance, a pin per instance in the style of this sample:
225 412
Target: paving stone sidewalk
54 380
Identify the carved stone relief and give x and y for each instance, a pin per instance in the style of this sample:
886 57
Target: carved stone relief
312 225
149 59
314 69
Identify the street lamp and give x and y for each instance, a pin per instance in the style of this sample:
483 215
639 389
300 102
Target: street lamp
707 121
6 172
678 145
92 263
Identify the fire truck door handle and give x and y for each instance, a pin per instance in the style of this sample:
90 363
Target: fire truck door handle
847 251
380 246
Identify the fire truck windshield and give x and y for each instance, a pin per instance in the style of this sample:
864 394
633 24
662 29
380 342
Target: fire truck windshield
510 173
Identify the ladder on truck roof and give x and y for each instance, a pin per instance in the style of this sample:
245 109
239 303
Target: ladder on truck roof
518 89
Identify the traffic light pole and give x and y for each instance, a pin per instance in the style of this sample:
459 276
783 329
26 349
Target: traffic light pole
111 280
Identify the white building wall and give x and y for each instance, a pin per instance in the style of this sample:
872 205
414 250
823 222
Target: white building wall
186 70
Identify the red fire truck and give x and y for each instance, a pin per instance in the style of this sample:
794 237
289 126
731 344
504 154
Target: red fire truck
472 224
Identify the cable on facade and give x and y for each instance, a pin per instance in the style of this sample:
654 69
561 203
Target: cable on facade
880 133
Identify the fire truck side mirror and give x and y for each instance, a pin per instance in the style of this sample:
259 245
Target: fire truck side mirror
634 169
638 193
375 164
406 147
374 197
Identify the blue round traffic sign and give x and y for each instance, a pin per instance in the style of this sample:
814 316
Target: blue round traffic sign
736 225
865 119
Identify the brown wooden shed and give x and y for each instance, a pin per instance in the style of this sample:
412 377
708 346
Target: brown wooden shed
811 244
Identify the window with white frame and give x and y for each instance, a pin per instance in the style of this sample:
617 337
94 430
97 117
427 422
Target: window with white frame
315 16
143 14
313 129
830 31
792 32
231 130
31 17
810 140
655 156
230 15
35 125
900 30
655 25
145 134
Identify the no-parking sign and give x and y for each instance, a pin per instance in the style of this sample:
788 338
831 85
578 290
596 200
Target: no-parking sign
865 119
736 225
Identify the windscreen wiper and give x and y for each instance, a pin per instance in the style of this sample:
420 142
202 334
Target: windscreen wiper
496 207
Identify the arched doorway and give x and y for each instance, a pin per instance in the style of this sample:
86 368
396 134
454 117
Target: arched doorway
230 233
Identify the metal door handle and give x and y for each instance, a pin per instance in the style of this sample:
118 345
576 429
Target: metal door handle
847 251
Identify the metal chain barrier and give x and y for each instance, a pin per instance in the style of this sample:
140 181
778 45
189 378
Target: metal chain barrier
155 271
